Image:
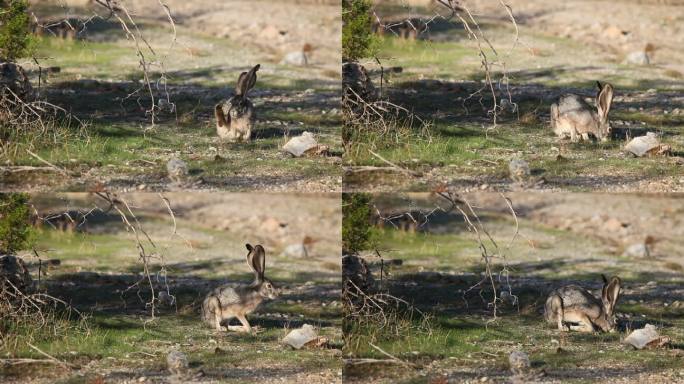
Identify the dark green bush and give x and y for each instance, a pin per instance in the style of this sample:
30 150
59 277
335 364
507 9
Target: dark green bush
16 40
357 232
16 233
358 40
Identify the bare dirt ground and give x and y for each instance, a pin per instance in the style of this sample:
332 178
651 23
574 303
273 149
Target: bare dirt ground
99 263
562 239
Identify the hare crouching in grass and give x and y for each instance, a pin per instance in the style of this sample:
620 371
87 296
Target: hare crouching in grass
573 308
227 302
235 117
572 117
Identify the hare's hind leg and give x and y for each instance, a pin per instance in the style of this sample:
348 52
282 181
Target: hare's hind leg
584 324
215 310
245 324
554 306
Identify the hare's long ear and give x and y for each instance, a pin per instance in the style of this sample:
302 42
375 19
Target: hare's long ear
610 294
251 78
259 262
241 84
603 100
250 260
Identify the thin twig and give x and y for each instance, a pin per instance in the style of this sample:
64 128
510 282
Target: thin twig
58 169
56 360
404 170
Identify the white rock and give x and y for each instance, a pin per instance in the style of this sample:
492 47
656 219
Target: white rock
642 145
637 250
638 58
299 337
295 250
295 58
297 146
646 337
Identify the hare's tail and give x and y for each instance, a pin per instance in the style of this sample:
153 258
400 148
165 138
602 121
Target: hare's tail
220 116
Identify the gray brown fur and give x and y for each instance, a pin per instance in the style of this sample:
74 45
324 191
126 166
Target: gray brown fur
573 117
227 302
573 308
235 117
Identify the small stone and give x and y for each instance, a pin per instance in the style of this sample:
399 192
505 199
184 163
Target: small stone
298 58
640 250
638 58
297 250
177 170
166 299
177 362
519 170
519 362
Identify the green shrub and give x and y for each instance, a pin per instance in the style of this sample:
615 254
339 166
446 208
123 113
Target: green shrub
16 40
16 233
358 40
357 232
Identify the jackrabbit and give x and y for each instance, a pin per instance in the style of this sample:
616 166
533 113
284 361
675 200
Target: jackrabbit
235 117
573 308
227 302
572 117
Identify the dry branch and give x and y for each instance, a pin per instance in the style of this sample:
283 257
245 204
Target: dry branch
489 56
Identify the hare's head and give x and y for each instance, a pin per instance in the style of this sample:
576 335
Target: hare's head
604 98
256 258
609 297
246 81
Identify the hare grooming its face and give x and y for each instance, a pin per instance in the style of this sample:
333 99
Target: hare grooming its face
227 302
572 117
235 117
573 308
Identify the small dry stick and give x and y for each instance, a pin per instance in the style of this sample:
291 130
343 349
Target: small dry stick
56 360
404 170
58 169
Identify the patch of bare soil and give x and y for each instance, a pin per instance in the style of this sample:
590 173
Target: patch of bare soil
619 221
616 27
274 219
271 28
